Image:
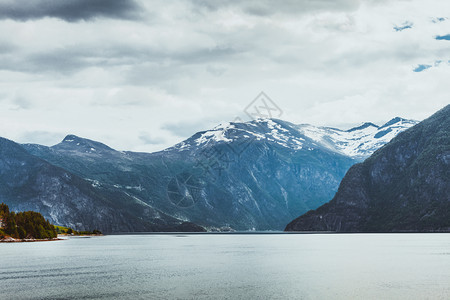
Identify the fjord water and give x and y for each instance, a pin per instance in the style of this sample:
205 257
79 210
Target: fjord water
229 266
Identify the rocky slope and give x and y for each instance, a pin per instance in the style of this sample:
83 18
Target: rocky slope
404 186
256 175
30 183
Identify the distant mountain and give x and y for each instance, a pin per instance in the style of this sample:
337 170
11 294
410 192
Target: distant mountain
256 175
359 142
30 183
404 186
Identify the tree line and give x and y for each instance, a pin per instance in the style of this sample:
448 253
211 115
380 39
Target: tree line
25 225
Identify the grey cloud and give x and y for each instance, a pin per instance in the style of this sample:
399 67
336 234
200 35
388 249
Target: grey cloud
208 54
187 129
367 56
268 8
69 10
147 139
63 61
60 61
69 59
22 102
41 137
216 70
162 66
154 64
6 47
152 72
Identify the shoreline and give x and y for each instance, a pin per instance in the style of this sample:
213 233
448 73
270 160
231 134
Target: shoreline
61 237
78 235
13 240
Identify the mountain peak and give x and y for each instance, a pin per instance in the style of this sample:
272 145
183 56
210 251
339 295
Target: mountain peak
358 142
363 126
398 120
76 143
70 138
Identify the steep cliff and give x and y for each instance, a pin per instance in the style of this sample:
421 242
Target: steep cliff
404 186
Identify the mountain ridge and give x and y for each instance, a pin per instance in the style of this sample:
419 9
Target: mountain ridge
317 136
245 175
403 186
28 182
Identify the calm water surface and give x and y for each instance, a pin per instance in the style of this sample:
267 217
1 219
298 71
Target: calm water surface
281 266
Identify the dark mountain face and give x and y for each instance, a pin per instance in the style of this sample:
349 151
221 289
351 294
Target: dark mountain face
80 145
248 176
256 175
404 186
30 183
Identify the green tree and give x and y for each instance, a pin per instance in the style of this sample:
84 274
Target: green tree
22 232
26 224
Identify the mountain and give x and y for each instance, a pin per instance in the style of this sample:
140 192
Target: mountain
359 142
255 175
404 186
30 183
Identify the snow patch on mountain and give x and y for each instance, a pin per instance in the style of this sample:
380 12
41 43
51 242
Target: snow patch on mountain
358 142
217 135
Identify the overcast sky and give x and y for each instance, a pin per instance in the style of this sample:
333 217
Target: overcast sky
144 75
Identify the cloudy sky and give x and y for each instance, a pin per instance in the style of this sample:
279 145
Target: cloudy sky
143 75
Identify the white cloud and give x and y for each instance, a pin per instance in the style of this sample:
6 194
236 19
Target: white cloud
133 84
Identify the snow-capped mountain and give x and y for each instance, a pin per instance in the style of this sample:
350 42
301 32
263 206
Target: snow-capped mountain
255 175
270 130
403 187
358 143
